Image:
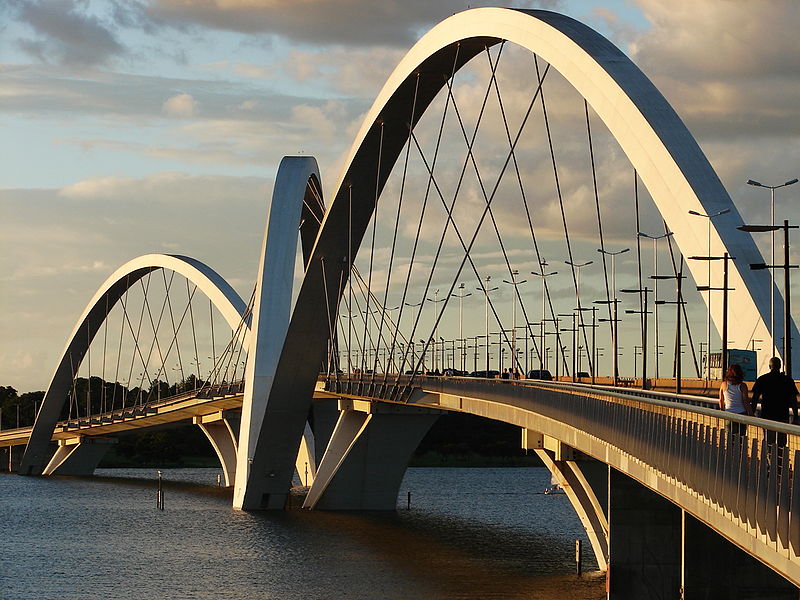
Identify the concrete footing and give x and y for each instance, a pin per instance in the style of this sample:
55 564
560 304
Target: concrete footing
222 430
659 551
367 456
715 569
79 456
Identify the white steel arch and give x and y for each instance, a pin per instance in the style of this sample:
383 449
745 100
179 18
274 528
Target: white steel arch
666 156
208 281
670 163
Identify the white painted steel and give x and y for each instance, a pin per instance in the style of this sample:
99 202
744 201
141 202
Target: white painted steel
669 161
270 323
208 281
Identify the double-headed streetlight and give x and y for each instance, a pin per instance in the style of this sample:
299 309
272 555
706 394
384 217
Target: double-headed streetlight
573 329
724 289
543 274
577 267
787 333
678 302
461 295
655 279
642 292
614 302
708 303
514 283
412 343
771 189
486 290
436 300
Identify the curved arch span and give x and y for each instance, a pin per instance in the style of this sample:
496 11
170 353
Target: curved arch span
221 294
670 163
667 158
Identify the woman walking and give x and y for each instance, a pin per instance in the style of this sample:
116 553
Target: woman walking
734 397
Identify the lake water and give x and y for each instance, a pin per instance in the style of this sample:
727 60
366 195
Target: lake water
470 534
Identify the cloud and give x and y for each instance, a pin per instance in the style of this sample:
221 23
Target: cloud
65 34
714 63
351 22
182 105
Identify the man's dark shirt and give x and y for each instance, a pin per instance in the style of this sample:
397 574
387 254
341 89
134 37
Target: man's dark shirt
777 392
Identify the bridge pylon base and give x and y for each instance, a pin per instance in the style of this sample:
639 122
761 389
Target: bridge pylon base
367 456
78 456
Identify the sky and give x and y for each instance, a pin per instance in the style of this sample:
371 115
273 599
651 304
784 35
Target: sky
144 126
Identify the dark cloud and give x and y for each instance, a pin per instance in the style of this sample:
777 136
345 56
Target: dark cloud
65 34
352 22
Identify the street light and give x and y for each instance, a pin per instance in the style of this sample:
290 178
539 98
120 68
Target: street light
679 302
614 320
725 289
771 189
573 330
515 283
641 291
436 300
787 334
708 303
461 297
543 275
486 290
655 279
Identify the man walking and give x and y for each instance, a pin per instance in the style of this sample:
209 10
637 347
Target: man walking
778 393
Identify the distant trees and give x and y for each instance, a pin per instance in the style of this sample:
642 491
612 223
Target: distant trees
14 405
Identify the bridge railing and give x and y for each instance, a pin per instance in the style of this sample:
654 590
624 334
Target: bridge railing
746 468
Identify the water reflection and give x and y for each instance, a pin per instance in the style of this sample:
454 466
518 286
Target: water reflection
479 534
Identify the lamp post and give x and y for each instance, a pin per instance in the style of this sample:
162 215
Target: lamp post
411 342
642 291
655 279
614 302
679 306
543 275
572 315
787 333
594 327
724 289
514 283
708 303
486 290
461 295
771 189
436 300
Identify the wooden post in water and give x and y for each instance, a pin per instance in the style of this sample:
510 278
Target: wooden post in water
160 493
578 557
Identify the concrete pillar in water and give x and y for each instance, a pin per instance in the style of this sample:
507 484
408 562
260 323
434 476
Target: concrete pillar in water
715 569
78 456
644 542
367 456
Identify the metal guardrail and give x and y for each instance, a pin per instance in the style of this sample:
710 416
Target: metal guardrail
745 467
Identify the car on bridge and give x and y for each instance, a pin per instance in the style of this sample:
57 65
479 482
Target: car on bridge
542 374
485 374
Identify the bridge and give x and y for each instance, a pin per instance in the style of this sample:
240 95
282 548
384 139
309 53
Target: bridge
444 185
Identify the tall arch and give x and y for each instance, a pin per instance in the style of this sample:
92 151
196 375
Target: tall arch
221 294
658 144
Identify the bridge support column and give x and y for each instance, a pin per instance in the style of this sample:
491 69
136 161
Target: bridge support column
367 456
714 568
222 430
644 542
325 414
571 475
12 455
78 456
